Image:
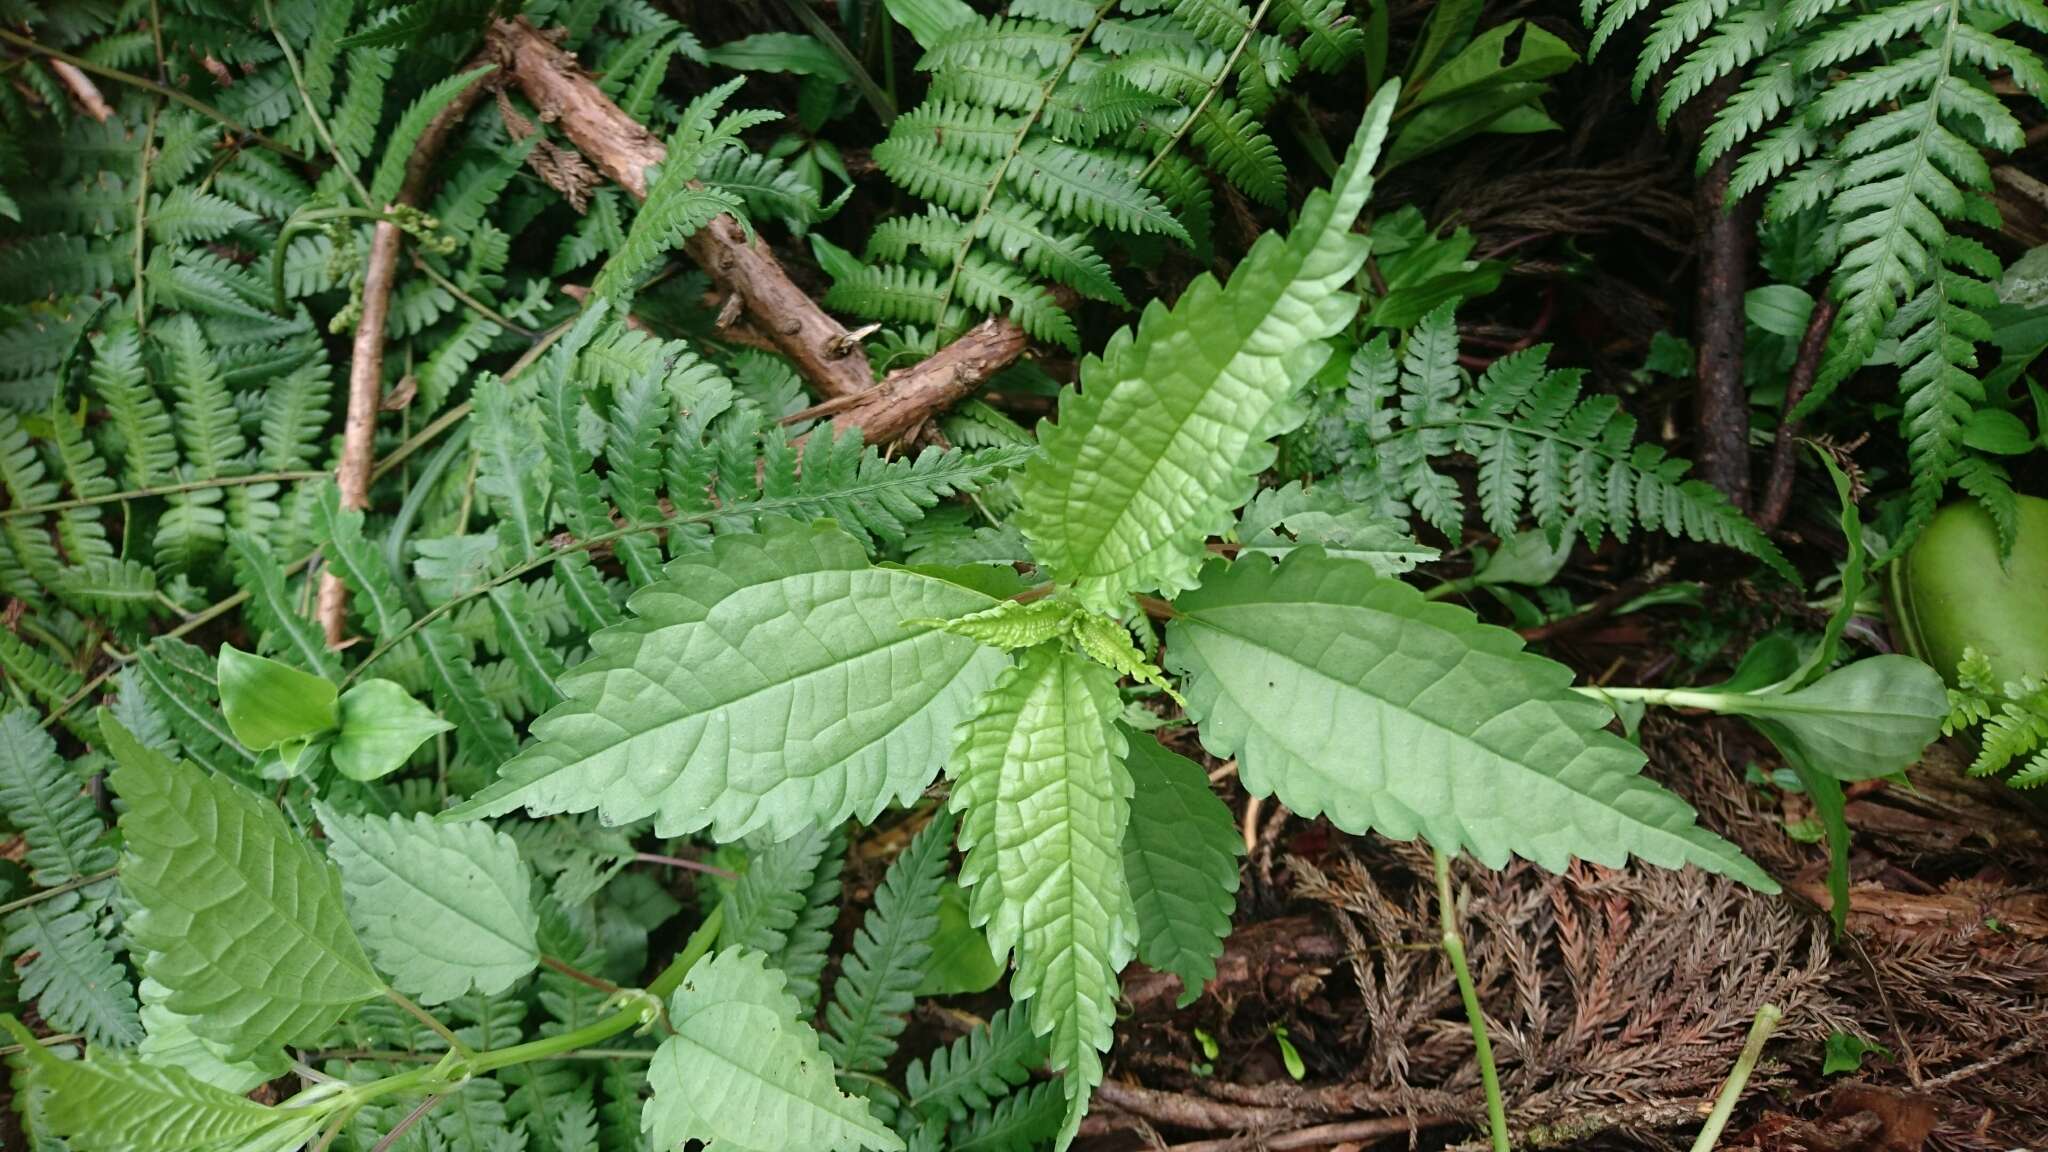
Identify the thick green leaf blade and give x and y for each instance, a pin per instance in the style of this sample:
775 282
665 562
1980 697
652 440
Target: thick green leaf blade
1170 427
268 703
1044 797
381 727
246 920
772 683
113 1103
1180 854
1348 695
744 1073
446 908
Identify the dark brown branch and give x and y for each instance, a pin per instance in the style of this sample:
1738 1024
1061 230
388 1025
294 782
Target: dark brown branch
1600 609
822 349
366 356
1784 455
1178 1111
1320 1135
1721 407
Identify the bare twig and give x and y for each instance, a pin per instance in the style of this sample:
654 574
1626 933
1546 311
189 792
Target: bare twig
823 350
1180 1111
1319 1135
1778 487
366 357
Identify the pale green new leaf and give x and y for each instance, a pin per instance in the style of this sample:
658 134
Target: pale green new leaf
112 1103
1347 694
744 1073
1170 427
771 683
1180 854
381 726
1040 784
446 908
268 703
246 919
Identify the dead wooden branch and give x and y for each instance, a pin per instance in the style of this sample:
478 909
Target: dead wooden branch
823 350
366 355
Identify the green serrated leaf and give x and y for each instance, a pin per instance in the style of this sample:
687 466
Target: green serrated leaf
772 683
1171 424
1040 784
446 908
113 1103
245 919
743 1073
1348 695
1180 854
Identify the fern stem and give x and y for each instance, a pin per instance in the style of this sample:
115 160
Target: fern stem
291 477
167 92
1760 1030
319 122
1482 1046
1251 29
71 885
995 183
413 1117
142 203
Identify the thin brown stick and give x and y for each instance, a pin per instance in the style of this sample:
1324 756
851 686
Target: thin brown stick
823 350
1318 1134
1600 609
83 90
366 356
1784 457
1176 1110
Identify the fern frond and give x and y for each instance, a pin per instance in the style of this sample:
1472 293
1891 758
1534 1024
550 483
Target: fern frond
978 1069
878 979
72 974
1094 187
1235 144
47 804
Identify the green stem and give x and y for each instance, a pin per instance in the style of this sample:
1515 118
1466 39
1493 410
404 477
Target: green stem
1454 947
59 890
160 490
1760 1030
1458 587
1664 697
167 92
432 1022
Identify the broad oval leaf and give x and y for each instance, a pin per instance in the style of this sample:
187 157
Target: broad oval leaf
776 682
245 919
744 1073
1171 425
381 727
1040 783
1859 722
446 908
1348 695
268 703
1180 854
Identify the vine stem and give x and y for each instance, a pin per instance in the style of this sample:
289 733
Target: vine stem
163 90
1251 28
1760 1030
1482 1046
995 182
